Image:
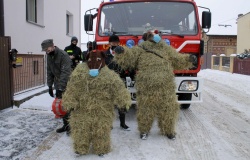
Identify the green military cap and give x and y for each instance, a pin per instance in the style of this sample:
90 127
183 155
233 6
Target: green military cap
47 43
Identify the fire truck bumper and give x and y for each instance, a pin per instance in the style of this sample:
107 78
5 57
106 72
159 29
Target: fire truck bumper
187 86
184 86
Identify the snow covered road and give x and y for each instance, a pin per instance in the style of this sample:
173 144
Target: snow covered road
217 129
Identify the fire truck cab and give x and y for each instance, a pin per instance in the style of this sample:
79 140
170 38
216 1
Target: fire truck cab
177 22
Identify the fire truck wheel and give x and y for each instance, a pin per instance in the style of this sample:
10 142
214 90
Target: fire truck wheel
184 97
185 106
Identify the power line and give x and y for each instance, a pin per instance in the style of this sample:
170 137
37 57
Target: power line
224 21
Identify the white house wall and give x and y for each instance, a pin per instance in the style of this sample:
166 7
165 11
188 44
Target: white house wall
27 37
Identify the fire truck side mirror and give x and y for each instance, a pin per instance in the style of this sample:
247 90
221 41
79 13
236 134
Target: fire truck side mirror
88 22
206 19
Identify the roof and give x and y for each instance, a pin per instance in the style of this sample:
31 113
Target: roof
230 28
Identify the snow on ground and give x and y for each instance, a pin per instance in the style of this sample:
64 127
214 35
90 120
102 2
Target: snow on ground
217 129
22 130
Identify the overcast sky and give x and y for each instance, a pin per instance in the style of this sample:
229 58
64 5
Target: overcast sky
223 12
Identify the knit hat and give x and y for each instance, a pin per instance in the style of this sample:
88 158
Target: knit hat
47 43
114 38
89 43
74 39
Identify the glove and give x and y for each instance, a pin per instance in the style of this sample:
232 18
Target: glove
51 92
59 94
119 49
193 59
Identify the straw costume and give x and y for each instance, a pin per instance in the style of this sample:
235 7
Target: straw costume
155 84
92 99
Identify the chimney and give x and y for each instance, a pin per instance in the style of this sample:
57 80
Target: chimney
239 15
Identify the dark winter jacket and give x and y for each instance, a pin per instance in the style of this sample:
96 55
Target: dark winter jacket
113 66
76 52
58 69
84 54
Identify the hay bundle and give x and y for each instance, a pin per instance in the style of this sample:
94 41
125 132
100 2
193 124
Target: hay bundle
92 101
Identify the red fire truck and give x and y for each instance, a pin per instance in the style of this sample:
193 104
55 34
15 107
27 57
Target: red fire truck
176 20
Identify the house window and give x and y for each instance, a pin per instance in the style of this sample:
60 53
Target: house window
69 23
31 9
35 12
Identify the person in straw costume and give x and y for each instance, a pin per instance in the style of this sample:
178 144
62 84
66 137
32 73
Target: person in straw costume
92 92
155 62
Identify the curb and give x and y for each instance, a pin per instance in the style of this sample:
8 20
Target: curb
20 101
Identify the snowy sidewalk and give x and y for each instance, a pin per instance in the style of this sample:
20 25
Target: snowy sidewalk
25 96
22 130
26 128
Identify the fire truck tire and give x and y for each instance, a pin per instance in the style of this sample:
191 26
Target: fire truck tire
185 96
185 106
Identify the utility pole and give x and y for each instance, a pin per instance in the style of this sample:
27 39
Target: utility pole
1 18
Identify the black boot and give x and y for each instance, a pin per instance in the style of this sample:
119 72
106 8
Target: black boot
101 155
62 129
65 126
122 121
171 136
143 136
68 130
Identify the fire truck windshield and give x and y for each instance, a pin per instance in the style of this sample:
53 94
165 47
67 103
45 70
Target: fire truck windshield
174 18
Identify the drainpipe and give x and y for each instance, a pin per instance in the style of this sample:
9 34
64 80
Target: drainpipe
1 18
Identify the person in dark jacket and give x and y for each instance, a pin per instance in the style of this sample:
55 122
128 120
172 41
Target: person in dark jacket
74 52
114 41
58 72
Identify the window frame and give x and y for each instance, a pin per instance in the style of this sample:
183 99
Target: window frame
36 16
69 23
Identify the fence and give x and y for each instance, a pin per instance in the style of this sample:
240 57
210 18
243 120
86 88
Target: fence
222 63
242 66
29 73
230 64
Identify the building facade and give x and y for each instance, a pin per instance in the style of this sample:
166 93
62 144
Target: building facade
220 44
29 22
243 30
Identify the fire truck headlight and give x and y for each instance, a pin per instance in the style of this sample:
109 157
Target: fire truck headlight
130 43
140 41
167 41
188 85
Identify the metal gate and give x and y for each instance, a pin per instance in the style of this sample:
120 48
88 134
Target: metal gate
242 66
6 80
29 73
206 61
